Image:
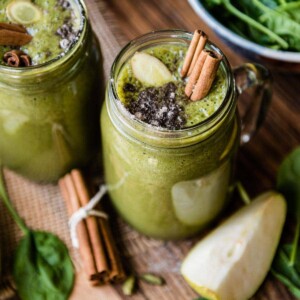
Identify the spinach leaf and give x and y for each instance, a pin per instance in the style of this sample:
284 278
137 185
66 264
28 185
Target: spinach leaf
47 271
288 181
286 264
271 23
284 272
42 266
288 184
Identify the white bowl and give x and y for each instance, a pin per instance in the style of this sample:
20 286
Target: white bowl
274 59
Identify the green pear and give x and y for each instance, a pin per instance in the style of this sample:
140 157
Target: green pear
231 262
150 70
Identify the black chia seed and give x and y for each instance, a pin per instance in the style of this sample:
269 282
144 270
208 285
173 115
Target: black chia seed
128 87
158 107
64 4
66 31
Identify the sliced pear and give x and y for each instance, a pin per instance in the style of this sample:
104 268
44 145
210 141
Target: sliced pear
23 12
232 261
197 202
150 70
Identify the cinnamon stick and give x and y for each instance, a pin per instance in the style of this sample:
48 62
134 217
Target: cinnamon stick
73 204
207 76
190 53
200 46
17 58
196 73
117 273
13 27
93 229
14 38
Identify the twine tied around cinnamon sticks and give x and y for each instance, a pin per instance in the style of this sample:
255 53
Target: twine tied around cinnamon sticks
200 66
84 212
98 251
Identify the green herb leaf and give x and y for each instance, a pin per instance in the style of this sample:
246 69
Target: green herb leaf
271 23
284 272
288 181
43 268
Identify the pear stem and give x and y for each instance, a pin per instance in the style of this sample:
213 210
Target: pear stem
243 193
295 244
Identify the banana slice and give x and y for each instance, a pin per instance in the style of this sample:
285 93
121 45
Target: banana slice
150 70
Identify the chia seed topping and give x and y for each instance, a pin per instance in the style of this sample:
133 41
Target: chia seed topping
158 107
64 4
66 31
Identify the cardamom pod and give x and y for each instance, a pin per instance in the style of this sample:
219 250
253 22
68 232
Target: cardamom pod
128 286
152 279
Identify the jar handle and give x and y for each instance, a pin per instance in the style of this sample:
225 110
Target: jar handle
256 79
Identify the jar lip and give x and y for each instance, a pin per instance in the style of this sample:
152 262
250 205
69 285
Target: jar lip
60 59
172 33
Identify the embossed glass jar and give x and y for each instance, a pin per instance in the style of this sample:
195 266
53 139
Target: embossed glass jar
171 184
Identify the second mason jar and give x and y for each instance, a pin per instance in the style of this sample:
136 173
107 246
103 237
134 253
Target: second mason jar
49 112
166 183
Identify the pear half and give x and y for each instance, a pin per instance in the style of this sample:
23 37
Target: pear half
232 261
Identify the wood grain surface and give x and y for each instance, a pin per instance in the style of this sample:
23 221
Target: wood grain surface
258 161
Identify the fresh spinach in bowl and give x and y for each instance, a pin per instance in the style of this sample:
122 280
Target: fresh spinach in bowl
271 23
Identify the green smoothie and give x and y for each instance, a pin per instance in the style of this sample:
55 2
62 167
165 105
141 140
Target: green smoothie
49 112
168 173
54 31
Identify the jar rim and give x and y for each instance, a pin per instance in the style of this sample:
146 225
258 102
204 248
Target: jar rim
58 60
155 133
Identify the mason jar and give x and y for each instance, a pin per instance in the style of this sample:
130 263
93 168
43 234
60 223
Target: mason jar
49 112
169 184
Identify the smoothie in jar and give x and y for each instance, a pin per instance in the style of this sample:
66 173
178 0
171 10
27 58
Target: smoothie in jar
50 98
168 160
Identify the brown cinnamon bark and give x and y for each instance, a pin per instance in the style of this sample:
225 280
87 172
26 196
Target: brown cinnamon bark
17 58
12 27
72 202
207 76
196 73
200 46
190 53
117 273
93 229
14 38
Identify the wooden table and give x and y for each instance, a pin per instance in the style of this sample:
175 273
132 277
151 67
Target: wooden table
257 162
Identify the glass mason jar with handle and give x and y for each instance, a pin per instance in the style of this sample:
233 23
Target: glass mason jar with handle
49 112
170 184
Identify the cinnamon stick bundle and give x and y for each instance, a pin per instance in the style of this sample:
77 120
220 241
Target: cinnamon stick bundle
201 65
98 251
